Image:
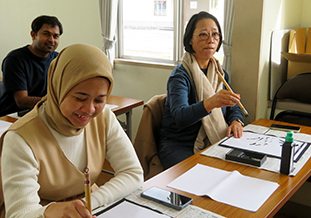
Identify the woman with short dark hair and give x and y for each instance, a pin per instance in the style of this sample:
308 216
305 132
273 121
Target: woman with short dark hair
199 110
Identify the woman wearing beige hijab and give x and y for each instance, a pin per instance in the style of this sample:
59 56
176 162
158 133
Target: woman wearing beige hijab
45 152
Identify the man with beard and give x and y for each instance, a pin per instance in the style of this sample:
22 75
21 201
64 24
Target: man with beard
25 69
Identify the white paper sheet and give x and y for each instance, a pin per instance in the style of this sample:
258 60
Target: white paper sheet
4 126
111 106
227 187
14 115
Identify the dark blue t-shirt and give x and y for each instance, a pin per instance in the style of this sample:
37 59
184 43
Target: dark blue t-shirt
22 70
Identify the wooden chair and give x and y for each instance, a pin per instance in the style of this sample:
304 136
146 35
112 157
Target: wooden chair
146 140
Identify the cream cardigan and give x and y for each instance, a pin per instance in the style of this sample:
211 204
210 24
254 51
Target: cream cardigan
21 198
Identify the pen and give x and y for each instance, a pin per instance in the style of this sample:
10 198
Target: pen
228 87
87 189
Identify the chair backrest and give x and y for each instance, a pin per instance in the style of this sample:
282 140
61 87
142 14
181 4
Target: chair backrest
296 117
296 88
145 143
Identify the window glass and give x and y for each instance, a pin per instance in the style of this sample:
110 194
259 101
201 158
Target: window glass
149 28
159 8
145 33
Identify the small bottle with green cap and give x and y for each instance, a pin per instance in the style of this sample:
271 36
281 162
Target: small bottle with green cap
287 158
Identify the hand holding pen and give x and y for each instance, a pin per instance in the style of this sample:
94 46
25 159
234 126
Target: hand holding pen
244 111
75 208
223 98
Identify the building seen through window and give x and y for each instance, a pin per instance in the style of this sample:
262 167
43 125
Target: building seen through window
159 8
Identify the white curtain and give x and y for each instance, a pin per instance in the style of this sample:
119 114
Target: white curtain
108 15
227 43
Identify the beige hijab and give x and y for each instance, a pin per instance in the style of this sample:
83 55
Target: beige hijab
73 65
213 126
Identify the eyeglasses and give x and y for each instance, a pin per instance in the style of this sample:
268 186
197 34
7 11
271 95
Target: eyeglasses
205 36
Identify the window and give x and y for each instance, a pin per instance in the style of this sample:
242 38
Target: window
159 8
152 30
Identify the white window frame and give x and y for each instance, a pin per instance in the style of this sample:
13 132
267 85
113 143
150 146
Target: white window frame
178 48
154 11
178 37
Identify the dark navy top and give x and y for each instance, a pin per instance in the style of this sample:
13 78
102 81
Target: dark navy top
182 115
22 70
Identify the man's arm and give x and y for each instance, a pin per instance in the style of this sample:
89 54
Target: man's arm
24 101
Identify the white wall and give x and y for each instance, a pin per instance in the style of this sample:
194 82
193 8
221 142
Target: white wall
140 82
305 14
80 20
278 14
246 52
253 23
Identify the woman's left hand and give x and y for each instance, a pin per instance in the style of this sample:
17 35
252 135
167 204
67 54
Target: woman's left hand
236 128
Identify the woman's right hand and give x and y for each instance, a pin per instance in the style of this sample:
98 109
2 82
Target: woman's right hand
73 209
223 98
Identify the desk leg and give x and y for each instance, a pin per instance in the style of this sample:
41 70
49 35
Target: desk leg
129 123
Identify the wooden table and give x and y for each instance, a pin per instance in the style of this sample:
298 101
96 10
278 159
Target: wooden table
125 106
8 119
288 185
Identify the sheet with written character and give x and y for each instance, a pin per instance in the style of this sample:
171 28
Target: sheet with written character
264 143
226 187
271 163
